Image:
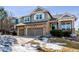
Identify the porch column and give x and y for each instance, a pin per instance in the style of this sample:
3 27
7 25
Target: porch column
18 31
44 31
26 31
59 24
73 29
48 28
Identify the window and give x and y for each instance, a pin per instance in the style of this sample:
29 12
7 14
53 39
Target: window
39 16
63 26
26 19
66 26
14 21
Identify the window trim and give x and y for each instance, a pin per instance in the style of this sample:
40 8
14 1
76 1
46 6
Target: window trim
39 14
66 26
26 19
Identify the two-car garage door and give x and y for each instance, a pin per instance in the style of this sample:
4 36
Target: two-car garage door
35 31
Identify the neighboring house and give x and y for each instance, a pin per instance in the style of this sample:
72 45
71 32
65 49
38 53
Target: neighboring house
40 20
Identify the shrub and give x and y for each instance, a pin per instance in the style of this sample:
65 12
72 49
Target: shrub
60 33
56 33
66 33
53 27
14 33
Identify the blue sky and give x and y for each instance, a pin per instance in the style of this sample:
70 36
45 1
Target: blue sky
25 10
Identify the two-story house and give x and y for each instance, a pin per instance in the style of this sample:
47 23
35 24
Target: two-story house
40 20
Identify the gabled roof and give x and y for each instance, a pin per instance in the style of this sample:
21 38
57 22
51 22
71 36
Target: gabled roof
25 16
35 11
67 15
39 9
64 15
57 16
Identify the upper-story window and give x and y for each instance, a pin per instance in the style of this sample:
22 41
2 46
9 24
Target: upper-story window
39 16
26 19
15 21
20 20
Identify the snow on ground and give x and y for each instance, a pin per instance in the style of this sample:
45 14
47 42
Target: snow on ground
10 43
19 48
23 44
22 40
54 46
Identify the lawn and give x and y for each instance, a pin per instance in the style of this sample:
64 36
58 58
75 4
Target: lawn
69 43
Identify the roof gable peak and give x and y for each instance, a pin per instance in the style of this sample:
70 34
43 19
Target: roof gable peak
39 9
66 14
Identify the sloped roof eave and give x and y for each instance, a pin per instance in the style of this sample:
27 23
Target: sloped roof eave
20 24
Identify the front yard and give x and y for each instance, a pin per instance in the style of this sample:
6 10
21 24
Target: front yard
23 44
68 43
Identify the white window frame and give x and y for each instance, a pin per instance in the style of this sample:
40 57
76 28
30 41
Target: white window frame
39 14
66 26
26 19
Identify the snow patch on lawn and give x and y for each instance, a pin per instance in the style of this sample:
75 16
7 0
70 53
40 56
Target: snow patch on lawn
23 46
54 46
19 48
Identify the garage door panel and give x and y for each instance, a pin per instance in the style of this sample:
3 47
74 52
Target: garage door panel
21 32
35 31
